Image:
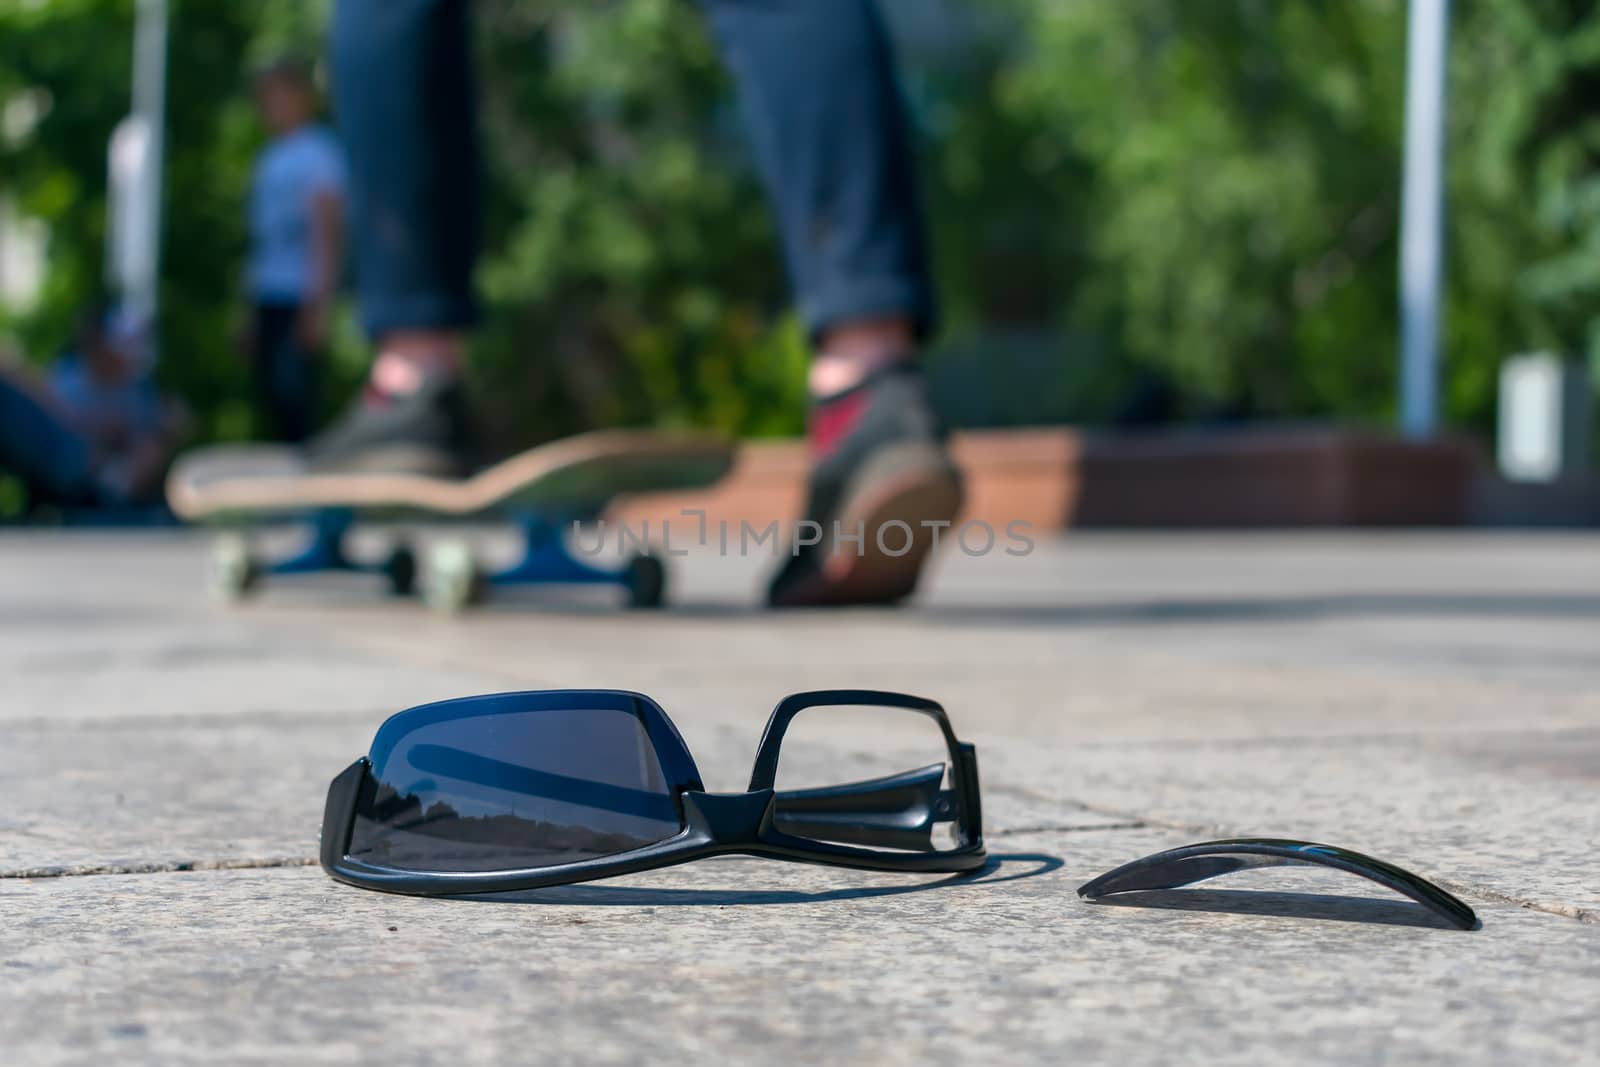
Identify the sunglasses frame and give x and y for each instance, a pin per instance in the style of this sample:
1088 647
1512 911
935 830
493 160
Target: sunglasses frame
713 823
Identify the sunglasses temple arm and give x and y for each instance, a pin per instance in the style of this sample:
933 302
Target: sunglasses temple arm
1195 863
899 811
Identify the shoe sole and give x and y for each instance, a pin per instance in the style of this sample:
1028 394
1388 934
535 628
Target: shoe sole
398 458
914 485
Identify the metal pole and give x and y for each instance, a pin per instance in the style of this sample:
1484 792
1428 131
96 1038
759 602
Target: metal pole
1422 217
149 107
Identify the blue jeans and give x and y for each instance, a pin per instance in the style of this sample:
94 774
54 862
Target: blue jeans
820 101
50 458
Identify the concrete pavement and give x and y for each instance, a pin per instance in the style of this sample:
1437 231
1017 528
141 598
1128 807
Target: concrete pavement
1430 698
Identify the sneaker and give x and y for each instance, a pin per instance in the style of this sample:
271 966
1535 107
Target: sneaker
427 431
879 469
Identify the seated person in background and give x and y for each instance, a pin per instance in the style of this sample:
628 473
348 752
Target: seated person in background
36 446
93 430
103 391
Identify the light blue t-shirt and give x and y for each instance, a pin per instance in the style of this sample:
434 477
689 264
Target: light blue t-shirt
290 173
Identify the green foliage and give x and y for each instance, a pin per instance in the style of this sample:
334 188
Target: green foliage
630 268
1535 164
77 55
55 54
1244 189
1205 192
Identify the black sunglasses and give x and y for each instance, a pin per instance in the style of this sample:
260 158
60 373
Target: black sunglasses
516 791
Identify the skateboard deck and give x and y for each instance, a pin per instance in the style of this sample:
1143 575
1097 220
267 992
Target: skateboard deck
540 489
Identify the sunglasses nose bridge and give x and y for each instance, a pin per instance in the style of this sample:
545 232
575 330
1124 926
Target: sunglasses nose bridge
729 818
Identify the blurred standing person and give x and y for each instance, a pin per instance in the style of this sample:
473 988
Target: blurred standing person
296 247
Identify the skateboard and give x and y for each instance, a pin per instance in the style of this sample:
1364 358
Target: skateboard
541 490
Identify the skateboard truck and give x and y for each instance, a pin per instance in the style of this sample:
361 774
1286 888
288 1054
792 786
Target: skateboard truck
236 570
452 579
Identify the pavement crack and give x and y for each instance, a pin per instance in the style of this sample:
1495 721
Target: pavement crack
1566 911
1013 831
84 870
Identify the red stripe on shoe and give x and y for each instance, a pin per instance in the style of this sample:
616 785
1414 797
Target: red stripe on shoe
832 420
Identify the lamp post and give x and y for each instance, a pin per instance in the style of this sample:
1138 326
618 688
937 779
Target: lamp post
136 164
1422 217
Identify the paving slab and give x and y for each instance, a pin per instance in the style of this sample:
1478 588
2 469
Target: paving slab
752 961
206 668
1431 698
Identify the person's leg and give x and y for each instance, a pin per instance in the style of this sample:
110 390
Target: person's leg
283 373
405 102
265 330
296 379
41 450
406 105
825 116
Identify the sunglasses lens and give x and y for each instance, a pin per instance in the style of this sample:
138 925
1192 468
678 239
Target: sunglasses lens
877 777
513 789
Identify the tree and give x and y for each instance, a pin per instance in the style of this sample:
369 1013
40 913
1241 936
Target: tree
1202 192
1245 160
630 271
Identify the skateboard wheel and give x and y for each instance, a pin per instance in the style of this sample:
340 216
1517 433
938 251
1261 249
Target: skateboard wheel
647 582
451 581
401 570
234 572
